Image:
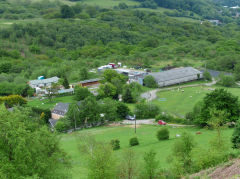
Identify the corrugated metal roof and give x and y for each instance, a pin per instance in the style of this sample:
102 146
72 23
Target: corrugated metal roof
44 81
175 74
90 80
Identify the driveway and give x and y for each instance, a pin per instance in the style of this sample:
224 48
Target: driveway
138 122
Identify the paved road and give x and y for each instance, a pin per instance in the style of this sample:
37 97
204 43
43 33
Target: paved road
151 95
151 121
138 122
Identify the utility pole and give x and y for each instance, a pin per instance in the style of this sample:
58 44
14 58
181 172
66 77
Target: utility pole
75 121
135 125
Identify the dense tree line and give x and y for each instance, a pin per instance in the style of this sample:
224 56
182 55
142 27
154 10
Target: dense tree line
28 149
208 9
110 36
134 37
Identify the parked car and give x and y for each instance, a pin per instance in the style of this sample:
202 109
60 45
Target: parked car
128 117
161 122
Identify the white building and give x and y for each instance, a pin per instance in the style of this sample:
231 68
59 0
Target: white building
43 82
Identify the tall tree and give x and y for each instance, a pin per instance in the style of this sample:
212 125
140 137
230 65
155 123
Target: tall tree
80 93
221 100
67 11
90 111
107 90
84 74
65 83
151 164
236 136
101 162
28 149
182 153
150 82
127 95
129 165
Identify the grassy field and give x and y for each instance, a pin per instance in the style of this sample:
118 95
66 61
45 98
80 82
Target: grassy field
109 3
179 103
46 104
147 138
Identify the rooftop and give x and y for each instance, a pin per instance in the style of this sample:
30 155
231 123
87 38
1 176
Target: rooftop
90 80
174 74
62 107
44 81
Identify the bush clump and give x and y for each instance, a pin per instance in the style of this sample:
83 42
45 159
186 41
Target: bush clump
115 143
163 134
133 141
164 117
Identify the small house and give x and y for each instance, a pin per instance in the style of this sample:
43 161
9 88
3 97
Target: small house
60 110
90 82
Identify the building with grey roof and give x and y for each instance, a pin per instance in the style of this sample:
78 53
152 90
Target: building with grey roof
176 76
43 82
133 75
61 109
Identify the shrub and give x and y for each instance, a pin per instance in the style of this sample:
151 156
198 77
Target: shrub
150 82
146 110
133 141
226 81
164 117
207 76
60 126
39 111
163 134
115 143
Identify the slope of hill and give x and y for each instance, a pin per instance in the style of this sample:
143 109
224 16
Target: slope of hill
228 170
228 2
37 35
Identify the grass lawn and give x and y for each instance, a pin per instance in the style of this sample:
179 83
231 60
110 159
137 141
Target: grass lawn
179 103
147 138
46 104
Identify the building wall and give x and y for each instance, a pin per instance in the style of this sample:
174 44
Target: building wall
90 83
56 116
179 80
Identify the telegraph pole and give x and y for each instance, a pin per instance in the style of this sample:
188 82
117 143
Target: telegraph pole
135 125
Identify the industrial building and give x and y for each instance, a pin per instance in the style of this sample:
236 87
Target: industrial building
133 75
176 76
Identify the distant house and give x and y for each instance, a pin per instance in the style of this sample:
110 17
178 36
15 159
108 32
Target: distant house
60 110
214 22
40 83
176 76
90 82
